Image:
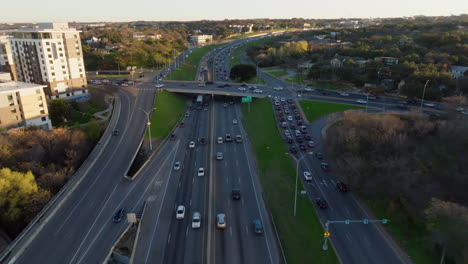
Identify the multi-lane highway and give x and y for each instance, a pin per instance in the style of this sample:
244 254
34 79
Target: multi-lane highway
355 243
238 243
79 229
174 240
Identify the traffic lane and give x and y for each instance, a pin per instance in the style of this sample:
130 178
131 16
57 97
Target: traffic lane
103 216
227 240
347 240
240 211
132 200
70 207
318 188
194 242
346 207
271 242
151 218
165 222
126 188
179 228
245 210
259 248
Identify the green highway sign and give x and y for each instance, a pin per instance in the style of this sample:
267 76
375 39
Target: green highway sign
247 99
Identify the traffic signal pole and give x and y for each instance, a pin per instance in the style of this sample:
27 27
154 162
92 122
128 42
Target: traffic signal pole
347 222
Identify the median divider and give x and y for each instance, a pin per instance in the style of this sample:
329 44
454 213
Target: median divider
152 154
137 234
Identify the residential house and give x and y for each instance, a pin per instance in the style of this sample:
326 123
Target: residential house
242 28
387 61
458 71
112 47
92 40
139 36
154 36
305 65
337 61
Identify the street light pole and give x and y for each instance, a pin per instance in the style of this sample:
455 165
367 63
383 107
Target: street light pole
297 178
424 92
148 123
295 191
256 69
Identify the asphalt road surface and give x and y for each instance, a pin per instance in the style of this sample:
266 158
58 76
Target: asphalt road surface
81 229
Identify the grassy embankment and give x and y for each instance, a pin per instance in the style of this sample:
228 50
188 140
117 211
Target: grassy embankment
188 70
301 236
316 109
169 109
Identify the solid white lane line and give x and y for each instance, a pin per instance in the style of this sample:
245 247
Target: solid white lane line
169 238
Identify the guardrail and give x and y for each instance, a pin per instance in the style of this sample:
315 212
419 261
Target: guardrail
69 187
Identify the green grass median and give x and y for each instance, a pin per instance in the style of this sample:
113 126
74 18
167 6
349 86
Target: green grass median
188 70
302 235
169 109
316 109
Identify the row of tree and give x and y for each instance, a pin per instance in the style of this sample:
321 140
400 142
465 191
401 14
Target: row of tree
34 165
413 164
424 53
125 50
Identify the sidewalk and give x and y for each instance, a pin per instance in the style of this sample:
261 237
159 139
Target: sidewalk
105 114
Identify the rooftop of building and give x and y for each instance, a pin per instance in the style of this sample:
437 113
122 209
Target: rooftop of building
48 27
6 85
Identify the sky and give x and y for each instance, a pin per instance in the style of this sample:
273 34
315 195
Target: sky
188 10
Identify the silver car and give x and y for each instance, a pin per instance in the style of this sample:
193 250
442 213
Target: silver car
221 221
196 220
177 165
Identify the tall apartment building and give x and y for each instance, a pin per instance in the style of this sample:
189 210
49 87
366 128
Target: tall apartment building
50 54
22 105
6 57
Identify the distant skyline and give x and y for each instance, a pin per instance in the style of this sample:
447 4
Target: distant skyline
32 11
